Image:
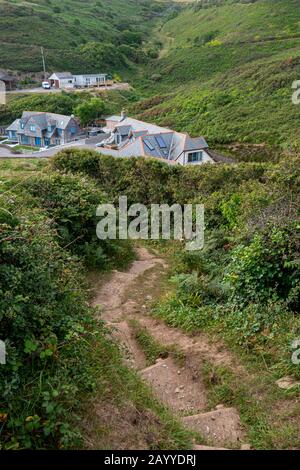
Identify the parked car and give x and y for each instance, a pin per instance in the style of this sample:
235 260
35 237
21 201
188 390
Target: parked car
46 85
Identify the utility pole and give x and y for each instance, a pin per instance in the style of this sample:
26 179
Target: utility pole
44 64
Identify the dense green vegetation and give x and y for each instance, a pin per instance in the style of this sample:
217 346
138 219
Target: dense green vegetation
87 107
60 357
79 36
223 69
249 266
226 72
244 285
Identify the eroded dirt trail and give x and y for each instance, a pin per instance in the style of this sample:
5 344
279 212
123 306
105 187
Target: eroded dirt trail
127 296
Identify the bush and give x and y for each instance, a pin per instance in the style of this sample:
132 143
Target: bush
46 323
70 202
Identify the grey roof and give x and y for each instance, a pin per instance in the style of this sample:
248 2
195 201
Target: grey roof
114 118
97 138
62 75
43 119
194 143
14 126
139 133
7 78
123 130
152 148
218 158
90 75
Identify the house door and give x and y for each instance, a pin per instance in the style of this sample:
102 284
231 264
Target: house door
38 141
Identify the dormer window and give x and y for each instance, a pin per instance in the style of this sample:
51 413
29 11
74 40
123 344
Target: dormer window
32 128
195 157
22 125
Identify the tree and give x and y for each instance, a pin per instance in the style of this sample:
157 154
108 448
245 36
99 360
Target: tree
89 111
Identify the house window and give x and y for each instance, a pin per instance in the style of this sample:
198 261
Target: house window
195 157
73 130
32 128
22 125
25 140
12 135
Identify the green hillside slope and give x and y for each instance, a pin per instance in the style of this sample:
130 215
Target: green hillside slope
228 71
75 34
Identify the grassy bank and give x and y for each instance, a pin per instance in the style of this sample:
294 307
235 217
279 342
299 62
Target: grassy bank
61 359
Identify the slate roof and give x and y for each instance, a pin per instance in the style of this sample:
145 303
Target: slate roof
194 143
218 158
14 126
114 118
152 145
44 119
156 141
7 78
61 75
41 120
123 130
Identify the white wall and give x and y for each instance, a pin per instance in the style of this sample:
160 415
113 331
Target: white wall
81 80
65 83
183 159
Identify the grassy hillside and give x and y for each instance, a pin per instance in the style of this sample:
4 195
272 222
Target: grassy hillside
76 35
227 71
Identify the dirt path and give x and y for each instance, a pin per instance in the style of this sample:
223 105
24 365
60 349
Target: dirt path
127 297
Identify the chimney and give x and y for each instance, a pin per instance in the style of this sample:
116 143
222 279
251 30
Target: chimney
123 114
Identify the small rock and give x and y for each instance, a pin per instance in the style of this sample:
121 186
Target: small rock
286 383
177 390
178 372
245 447
219 407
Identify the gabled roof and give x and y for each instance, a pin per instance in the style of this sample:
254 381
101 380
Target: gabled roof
7 78
114 118
43 119
194 143
61 75
158 145
218 158
138 126
123 130
14 126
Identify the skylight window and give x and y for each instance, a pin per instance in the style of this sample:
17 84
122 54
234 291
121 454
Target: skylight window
162 144
149 145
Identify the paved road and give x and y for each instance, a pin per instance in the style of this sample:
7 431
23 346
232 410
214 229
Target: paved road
115 86
6 153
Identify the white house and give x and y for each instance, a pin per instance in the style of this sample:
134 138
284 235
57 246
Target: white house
63 80
127 137
90 80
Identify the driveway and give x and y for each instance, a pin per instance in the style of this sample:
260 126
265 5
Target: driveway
115 86
6 153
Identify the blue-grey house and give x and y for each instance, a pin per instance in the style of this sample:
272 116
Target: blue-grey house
43 129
